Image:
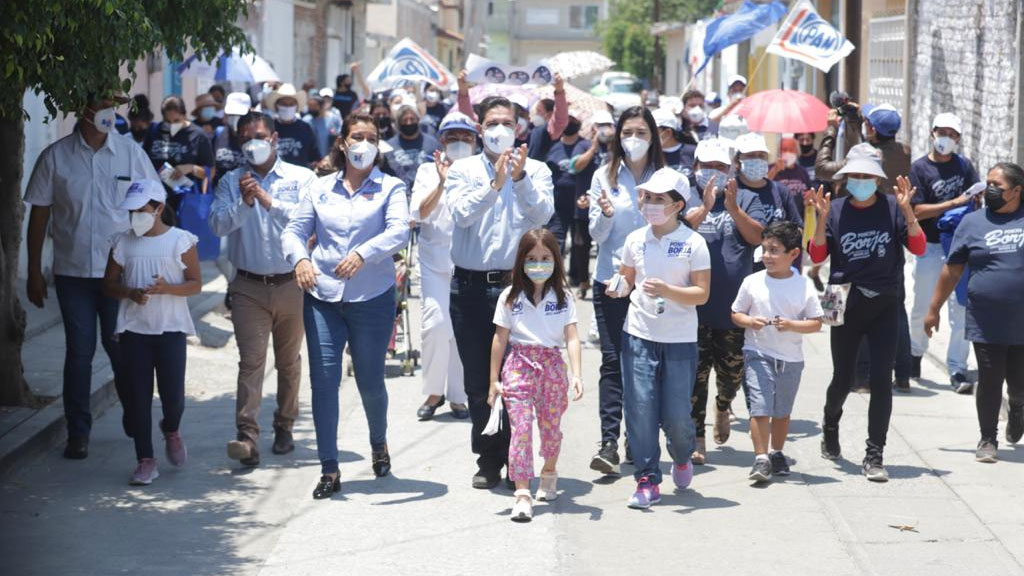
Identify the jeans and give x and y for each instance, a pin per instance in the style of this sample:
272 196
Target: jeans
611 318
559 225
926 276
657 382
997 363
81 302
877 319
145 354
366 328
473 302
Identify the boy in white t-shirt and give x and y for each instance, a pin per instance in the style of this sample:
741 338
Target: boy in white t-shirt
777 306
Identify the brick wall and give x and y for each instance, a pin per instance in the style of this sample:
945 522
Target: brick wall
966 61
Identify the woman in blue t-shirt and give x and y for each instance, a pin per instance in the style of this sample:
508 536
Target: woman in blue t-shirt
990 243
865 233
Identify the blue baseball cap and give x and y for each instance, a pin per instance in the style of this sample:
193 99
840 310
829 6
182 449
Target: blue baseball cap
456 121
884 118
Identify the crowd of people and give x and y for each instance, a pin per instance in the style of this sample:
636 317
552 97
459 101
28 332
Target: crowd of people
701 233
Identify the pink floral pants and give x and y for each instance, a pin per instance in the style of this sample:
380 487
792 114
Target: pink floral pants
534 380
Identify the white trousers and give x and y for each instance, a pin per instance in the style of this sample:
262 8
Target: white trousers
442 368
926 276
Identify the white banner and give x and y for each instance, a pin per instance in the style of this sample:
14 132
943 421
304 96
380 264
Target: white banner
808 37
480 70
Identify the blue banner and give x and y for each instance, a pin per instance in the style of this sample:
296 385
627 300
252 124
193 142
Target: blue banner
750 19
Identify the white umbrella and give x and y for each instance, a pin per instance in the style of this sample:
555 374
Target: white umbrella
579 63
237 67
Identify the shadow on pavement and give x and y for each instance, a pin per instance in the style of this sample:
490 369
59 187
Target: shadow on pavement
1013 453
421 489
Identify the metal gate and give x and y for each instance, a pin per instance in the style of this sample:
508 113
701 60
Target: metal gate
886 55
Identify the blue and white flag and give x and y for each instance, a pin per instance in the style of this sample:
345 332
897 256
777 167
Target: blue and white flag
408 61
750 19
808 37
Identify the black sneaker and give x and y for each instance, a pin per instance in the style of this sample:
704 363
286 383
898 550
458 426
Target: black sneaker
606 461
486 479
761 471
1015 423
629 456
902 385
780 467
915 366
830 449
873 467
960 383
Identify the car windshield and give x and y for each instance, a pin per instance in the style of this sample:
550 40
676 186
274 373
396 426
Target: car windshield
621 87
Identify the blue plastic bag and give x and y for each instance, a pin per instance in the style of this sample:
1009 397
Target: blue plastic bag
194 216
947 226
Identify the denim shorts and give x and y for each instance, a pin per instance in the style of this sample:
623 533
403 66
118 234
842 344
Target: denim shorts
770 384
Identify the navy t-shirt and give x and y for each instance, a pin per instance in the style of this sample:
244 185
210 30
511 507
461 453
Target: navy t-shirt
226 152
777 203
435 114
538 142
296 143
794 181
681 159
344 100
407 155
189 146
937 182
732 259
866 244
992 247
558 159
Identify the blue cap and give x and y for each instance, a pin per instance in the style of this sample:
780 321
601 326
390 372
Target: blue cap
456 121
884 118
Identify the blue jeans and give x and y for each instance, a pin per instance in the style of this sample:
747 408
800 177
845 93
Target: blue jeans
81 302
143 355
657 383
610 314
366 328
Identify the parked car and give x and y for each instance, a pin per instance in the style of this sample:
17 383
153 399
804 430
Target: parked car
600 87
623 94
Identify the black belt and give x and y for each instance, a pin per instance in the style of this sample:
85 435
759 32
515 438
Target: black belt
268 279
489 276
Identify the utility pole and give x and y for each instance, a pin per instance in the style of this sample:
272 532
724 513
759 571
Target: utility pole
658 60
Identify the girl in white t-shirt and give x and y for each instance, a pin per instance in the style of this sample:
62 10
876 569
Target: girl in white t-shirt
538 316
151 270
670 267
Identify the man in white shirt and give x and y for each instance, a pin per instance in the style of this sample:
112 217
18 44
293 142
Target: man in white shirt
494 198
81 180
253 203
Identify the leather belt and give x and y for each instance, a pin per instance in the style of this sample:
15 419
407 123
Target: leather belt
268 279
488 276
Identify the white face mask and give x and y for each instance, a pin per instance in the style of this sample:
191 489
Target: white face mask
537 120
655 214
605 134
432 97
635 147
175 127
142 222
458 150
257 152
944 145
361 155
695 114
499 138
104 120
287 113
522 128
789 158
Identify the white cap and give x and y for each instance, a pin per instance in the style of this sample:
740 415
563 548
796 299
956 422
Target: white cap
862 159
664 118
713 150
751 142
664 180
237 104
732 127
947 120
326 93
141 192
736 78
602 117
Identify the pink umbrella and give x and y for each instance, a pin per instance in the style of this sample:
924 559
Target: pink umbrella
783 111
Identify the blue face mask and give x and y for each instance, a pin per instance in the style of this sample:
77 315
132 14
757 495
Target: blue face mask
860 189
709 176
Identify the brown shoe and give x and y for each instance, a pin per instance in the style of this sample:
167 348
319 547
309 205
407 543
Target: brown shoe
283 442
700 455
721 426
245 451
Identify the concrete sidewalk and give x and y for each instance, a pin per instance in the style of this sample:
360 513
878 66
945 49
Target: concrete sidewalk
25 432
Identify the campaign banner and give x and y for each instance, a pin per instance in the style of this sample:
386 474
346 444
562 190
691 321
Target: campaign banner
808 37
744 24
408 61
480 70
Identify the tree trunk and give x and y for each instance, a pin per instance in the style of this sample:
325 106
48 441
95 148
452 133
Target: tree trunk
13 388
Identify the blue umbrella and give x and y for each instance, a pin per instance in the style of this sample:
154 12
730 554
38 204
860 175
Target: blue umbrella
236 67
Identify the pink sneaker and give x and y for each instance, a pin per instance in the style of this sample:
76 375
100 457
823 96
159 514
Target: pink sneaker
145 473
177 454
645 495
682 475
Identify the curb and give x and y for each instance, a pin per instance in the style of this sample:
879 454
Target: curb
40 432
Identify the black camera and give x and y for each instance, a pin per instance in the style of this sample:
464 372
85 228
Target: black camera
841 102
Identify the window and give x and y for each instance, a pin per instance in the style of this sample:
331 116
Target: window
583 17
542 16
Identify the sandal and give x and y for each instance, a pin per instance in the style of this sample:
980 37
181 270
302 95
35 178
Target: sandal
547 491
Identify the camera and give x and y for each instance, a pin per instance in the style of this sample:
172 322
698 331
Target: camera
843 105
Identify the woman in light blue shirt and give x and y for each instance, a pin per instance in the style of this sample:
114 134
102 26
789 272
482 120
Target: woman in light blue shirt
360 218
635 155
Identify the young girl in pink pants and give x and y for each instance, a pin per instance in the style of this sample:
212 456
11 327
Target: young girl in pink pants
536 314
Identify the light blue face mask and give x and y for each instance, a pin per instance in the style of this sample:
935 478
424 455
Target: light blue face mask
710 176
539 272
861 189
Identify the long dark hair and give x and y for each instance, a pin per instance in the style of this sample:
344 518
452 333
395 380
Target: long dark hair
521 283
654 154
335 159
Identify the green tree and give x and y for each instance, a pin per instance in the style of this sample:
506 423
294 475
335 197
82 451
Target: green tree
68 50
626 35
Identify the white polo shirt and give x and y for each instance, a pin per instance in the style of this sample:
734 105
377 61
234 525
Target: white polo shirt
671 259
540 325
84 188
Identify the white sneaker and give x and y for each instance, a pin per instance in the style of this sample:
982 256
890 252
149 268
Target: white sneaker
548 487
522 510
